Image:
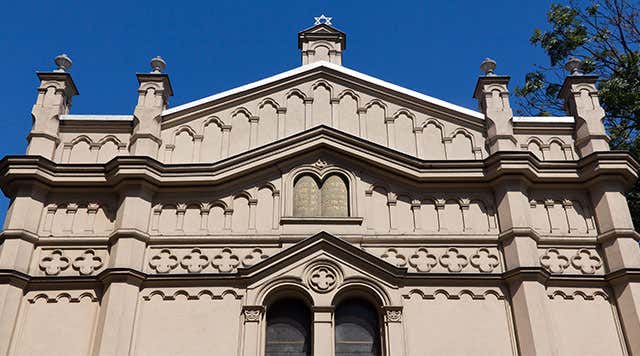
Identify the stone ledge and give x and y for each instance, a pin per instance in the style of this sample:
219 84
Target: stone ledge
296 220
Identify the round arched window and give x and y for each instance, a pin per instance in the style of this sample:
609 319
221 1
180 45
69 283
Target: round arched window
288 328
357 329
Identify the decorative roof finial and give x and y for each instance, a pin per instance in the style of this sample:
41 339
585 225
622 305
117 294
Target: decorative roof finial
63 62
158 65
487 66
323 20
574 65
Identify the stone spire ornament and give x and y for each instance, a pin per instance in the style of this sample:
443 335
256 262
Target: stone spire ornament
158 65
574 65
63 62
488 66
323 20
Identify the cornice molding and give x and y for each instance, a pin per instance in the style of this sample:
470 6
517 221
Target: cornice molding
616 165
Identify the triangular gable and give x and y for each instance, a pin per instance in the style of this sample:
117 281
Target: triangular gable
332 69
326 242
322 31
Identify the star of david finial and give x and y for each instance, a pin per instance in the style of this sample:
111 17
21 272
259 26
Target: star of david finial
322 20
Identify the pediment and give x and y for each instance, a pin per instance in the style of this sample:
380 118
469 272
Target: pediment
322 93
354 80
325 247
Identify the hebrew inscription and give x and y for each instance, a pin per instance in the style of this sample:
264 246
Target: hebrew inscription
329 198
306 197
334 197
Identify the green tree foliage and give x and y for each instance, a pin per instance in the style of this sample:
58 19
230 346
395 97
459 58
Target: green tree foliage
605 35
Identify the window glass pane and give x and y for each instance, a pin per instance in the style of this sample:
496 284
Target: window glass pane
357 330
288 329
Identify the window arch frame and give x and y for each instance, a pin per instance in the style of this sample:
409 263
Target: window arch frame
301 301
375 296
375 308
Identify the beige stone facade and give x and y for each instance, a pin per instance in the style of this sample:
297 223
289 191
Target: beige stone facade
173 231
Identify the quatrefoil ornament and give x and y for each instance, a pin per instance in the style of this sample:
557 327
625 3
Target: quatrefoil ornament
484 260
422 260
553 261
453 260
54 263
164 262
195 261
226 261
323 278
586 262
393 257
254 257
87 263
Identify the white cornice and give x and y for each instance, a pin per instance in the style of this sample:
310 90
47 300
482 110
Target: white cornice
337 68
544 119
97 117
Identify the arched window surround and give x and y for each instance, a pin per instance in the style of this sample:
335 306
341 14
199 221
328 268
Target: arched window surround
284 293
320 174
358 295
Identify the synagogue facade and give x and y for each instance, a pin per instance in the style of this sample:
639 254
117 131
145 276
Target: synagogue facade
319 211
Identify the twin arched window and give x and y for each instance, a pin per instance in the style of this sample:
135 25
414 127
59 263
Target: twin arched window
313 197
357 330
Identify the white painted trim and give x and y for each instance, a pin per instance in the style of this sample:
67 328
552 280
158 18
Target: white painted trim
544 119
337 68
97 117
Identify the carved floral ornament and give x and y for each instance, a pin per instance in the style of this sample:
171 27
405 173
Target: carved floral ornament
323 276
393 314
252 313
197 260
57 261
584 260
452 259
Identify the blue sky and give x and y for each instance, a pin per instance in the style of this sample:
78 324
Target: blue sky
433 47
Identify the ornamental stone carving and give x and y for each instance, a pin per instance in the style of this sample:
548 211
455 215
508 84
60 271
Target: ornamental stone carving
553 261
195 261
164 262
586 262
393 257
252 313
226 261
54 263
422 260
393 314
254 257
323 279
453 260
87 263
484 260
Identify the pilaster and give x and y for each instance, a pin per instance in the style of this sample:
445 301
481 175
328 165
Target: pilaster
394 330
128 245
252 317
323 334
619 243
16 249
528 297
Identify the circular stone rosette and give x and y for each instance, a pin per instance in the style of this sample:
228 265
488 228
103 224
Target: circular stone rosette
323 277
